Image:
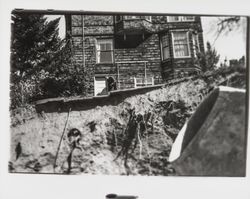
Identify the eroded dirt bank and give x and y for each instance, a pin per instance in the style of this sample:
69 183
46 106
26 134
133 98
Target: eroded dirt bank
134 137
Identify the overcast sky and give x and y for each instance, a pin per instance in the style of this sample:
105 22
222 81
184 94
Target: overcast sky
230 46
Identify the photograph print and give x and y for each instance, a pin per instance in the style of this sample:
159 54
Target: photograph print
128 94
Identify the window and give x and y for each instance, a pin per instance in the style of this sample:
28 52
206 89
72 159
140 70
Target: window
180 44
196 47
174 19
188 18
131 17
180 18
140 82
165 47
104 49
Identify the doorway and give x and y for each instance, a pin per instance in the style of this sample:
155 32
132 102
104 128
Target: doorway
100 86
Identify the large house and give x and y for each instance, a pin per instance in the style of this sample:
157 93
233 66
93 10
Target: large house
129 51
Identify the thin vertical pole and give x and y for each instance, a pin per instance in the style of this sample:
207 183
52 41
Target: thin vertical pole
83 44
58 148
118 76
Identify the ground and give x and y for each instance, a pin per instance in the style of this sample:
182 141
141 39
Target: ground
132 138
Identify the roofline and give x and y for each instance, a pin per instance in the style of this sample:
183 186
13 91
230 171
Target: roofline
64 12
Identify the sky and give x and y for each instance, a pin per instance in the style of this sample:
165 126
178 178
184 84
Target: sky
229 46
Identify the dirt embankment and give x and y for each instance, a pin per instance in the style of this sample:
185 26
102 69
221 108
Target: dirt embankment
134 137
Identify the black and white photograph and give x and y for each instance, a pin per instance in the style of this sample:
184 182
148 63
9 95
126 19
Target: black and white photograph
124 99
115 93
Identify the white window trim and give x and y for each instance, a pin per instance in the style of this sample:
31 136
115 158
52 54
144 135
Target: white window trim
189 19
104 40
168 19
172 35
181 19
195 51
138 85
133 17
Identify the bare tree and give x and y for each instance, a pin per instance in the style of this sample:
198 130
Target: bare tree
227 24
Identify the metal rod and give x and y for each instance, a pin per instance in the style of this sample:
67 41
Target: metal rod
59 145
127 62
118 80
83 44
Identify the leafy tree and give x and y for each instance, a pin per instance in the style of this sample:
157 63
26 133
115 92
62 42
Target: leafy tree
212 57
42 65
34 43
208 60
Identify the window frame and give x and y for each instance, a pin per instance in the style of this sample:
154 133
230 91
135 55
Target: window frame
195 43
98 49
184 18
144 82
180 19
131 17
173 44
167 46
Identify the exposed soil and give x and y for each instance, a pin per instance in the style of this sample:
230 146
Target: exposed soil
132 138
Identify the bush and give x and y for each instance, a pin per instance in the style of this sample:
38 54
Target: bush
41 63
44 84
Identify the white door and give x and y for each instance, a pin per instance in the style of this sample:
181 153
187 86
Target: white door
100 85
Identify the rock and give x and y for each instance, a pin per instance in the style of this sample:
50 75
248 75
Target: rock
213 142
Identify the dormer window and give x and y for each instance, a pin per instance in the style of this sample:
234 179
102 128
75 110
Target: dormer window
180 18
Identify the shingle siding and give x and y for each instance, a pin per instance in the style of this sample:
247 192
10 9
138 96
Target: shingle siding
87 29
